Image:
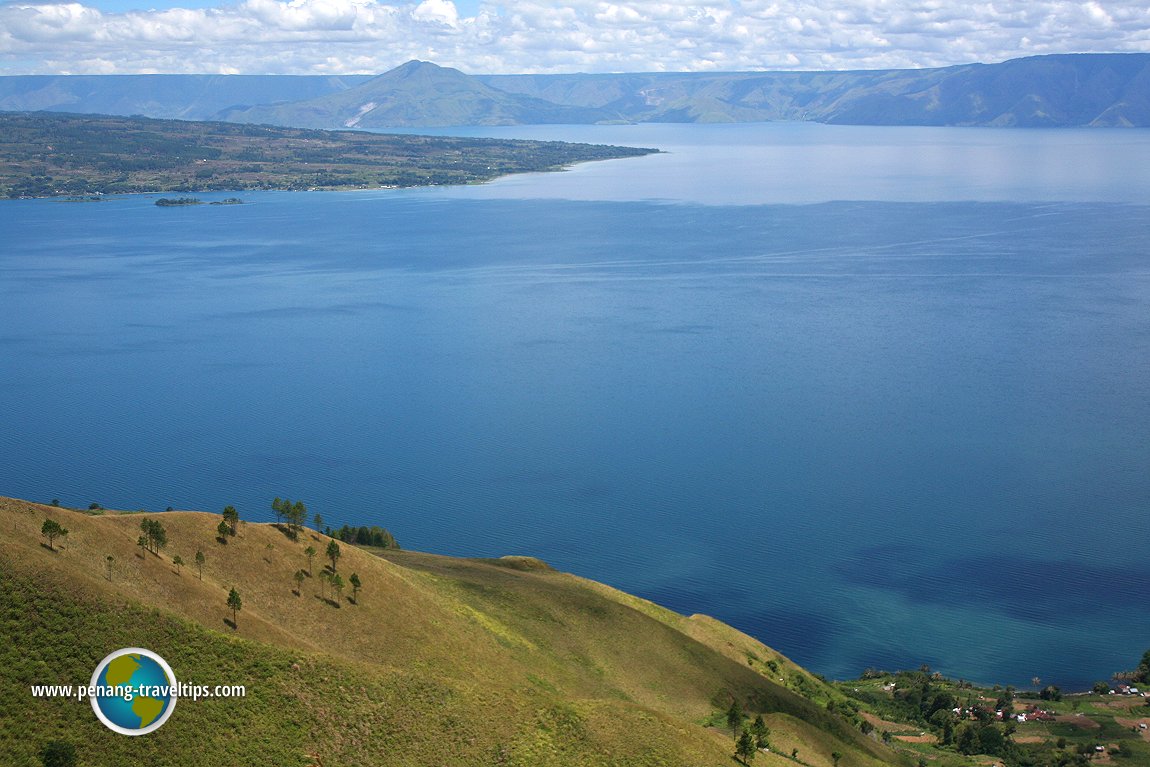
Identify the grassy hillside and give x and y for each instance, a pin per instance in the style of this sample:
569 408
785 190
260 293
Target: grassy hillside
441 661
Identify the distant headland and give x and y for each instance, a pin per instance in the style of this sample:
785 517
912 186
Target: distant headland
49 154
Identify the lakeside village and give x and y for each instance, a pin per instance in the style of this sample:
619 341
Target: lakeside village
924 714
1006 710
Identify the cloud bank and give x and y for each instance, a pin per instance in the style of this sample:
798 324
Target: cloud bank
369 36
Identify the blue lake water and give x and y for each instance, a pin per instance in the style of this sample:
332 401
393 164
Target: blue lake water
879 396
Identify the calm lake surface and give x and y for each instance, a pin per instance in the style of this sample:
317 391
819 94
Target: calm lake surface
878 396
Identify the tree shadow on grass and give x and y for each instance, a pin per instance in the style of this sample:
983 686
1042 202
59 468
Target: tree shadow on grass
290 534
328 600
231 624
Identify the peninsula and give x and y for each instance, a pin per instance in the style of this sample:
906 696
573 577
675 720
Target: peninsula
46 154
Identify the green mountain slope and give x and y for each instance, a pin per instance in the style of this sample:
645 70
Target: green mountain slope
416 94
439 661
1040 91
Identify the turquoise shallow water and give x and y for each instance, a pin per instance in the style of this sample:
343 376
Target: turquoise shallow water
871 432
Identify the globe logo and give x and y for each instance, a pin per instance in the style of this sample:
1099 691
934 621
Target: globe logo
135 691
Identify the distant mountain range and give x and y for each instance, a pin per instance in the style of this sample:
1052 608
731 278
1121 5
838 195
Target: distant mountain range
417 94
1071 90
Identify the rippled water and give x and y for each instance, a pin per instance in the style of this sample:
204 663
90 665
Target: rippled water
878 396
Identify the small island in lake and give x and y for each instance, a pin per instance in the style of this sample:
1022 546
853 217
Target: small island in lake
46 154
177 202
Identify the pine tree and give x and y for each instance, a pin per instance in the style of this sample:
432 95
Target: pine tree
745 747
178 561
297 516
333 554
356 584
232 517
734 718
155 536
236 604
761 733
51 529
200 563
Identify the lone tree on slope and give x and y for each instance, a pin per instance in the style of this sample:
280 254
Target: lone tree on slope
356 585
232 517
297 517
310 552
745 747
761 732
51 529
298 577
200 563
236 604
333 554
735 718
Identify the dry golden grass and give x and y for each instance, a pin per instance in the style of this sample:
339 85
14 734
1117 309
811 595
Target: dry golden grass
452 660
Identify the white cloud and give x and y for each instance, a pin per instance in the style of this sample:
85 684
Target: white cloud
437 12
337 36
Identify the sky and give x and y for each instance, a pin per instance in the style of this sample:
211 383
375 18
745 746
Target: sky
482 36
